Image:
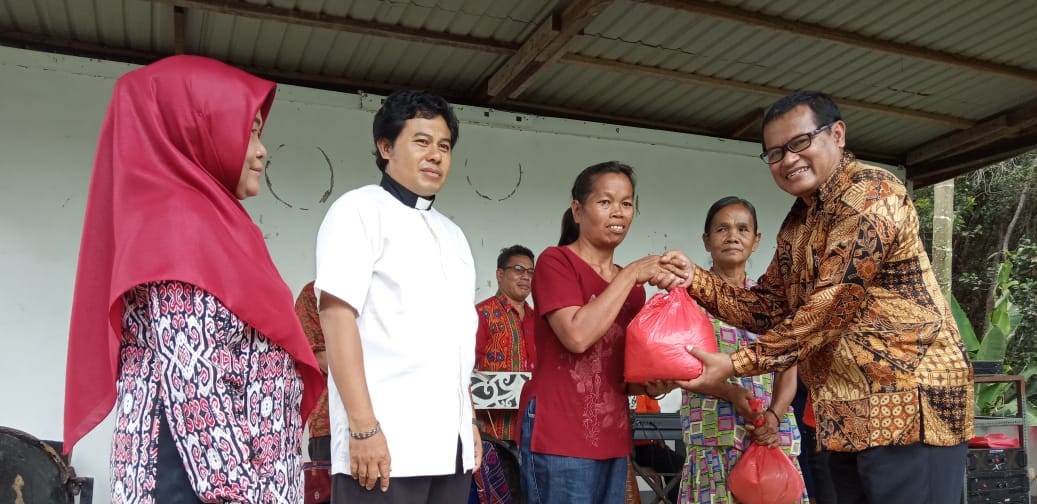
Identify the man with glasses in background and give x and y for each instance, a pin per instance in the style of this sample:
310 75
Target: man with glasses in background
504 341
850 296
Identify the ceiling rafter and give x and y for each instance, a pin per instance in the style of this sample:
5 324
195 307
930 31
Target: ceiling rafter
759 89
1004 124
579 10
811 30
346 24
544 47
44 42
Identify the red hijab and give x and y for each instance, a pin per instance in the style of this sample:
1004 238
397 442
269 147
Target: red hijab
161 206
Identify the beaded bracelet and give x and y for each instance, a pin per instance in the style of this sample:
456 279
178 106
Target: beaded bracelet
776 417
368 433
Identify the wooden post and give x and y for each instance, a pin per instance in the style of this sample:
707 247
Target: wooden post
179 25
943 232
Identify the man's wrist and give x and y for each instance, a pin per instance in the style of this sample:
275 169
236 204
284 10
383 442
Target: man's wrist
370 433
739 363
361 424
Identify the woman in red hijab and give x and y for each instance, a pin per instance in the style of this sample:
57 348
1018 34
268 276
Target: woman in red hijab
180 318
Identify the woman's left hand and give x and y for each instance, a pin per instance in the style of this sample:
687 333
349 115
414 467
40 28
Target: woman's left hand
659 387
766 434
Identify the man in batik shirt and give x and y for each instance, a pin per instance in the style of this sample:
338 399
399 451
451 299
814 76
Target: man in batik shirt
505 338
851 296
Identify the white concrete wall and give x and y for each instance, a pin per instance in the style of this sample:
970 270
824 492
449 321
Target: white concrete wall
51 108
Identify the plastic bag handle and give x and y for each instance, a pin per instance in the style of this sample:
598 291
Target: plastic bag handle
756 404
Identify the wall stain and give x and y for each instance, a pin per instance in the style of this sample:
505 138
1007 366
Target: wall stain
269 184
324 197
490 198
331 170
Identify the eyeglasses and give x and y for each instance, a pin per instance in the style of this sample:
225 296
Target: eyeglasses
520 270
799 143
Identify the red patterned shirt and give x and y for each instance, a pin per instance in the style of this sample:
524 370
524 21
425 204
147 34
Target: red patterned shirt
504 342
306 310
230 395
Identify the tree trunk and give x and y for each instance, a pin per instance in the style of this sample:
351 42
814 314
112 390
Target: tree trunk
943 232
1023 195
1003 253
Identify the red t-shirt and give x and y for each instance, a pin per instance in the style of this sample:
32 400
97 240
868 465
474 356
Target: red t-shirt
582 409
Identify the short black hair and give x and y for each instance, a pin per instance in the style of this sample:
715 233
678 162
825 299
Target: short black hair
409 104
821 104
515 250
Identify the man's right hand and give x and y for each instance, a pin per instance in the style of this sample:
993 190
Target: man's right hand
369 461
677 263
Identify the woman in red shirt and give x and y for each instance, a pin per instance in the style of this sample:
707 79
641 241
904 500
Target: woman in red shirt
575 432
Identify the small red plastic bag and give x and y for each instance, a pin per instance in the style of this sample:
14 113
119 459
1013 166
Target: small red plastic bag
765 475
994 440
656 338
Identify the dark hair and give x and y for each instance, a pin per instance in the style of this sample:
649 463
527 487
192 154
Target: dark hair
408 104
725 202
582 188
821 104
515 250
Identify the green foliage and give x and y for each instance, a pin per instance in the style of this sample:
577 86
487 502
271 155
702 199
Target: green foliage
968 334
1024 348
997 399
985 203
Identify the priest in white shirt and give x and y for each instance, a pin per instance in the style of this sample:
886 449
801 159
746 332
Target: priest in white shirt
396 284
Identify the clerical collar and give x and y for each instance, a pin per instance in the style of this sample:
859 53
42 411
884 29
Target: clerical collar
404 195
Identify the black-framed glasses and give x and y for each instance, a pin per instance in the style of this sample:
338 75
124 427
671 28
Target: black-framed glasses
520 269
799 143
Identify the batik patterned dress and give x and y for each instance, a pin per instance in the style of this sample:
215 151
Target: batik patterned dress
230 397
715 434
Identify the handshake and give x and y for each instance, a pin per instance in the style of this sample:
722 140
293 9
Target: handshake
668 271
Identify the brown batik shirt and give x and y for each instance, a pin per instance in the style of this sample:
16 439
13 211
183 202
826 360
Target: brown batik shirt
851 296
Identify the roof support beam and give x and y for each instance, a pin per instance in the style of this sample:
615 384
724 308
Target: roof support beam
564 112
179 26
47 43
741 126
775 23
931 172
568 113
1005 124
341 23
777 92
544 47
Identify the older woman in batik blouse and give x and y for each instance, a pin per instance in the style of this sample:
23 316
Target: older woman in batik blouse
718 427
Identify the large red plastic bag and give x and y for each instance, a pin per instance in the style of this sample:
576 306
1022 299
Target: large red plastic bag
765 475
656 338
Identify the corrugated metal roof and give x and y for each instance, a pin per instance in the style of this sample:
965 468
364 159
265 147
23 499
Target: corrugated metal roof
627 31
